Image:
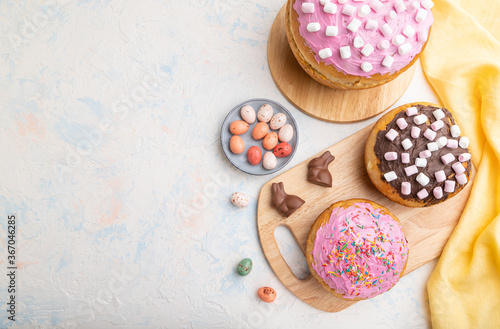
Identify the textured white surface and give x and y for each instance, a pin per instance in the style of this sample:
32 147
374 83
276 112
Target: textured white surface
109 125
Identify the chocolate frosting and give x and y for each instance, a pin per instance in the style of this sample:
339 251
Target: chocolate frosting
286 204
434 163
318 170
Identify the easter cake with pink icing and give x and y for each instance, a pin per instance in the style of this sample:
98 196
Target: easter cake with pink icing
356 249
357 44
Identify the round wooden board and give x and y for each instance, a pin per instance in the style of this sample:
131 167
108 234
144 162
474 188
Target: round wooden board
320 101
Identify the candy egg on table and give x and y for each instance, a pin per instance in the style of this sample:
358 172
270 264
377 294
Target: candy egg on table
254 155
248 114
277 121
239 199
270 141
269 160
236 144
282 150
286 133
267 294
265 113
260 130
245 267
238 127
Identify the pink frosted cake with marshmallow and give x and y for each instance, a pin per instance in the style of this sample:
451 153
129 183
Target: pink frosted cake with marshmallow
357 44
357 249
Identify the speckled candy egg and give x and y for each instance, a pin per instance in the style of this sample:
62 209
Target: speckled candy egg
245 267
286 133
269 161
267 294
248 114
236 144
254 155
238 127
270 141
239 199
265 113
282 150
278 120
260 130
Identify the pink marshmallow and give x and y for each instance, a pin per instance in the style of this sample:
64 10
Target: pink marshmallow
308 7
411 170
440 176
449 186
436 125
452 143
429 134
411 111
425 154
391 135
464 157
422 194
415 132
402 124
390 156
438 192
461 179
405 188
405 157
458 167
447 158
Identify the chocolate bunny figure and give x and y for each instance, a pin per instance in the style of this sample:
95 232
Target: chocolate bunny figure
284 203
318 170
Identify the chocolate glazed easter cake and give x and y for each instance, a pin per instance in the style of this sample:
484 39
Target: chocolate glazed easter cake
415 155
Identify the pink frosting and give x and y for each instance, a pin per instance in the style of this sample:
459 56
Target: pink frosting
360 252
404 19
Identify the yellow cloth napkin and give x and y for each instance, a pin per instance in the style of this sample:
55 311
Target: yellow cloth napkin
462 62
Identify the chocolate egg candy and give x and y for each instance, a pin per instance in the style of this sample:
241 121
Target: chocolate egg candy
282 150
277 121
248 114
269 161
245 266
267 294
238 127
270 141
260 130
236 144
254 155
240 200
265 113
286 133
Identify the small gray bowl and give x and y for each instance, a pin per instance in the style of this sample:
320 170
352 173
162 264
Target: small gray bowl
240 161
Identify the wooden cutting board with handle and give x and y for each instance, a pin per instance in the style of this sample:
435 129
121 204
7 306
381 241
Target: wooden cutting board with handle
427 229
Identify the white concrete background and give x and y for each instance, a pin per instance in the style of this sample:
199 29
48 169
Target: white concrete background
109 121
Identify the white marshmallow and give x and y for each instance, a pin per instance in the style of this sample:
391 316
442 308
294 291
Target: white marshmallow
332 31
463 142
313 27
421 15
325 53
391 16
419 119
345 52
414 5
354 25
448 158
422 179
383 45
342 1
452 143
422 36
432 146
449 186
440 176
348 10
438 114
404 49
464 157
405 188
376 5
406 144
411 111
388 60
427 4
386 30
358 42
364 10
461 179
458 167
409 31
405 157
330 8
411 170
438 192
419 162
429 134
371 24
402 124
308 7
398 40
399 6
455 131
367 50
390 156
422 194
324 2
436 125
415 132
442 141
390 176
367 67
425 154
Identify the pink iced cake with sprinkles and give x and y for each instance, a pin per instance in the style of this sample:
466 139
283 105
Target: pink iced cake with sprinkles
371 39
357 249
